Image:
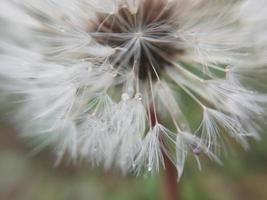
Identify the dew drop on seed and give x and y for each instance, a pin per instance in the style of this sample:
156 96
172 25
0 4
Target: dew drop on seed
125 96
62 30
114 74
138 96
196 149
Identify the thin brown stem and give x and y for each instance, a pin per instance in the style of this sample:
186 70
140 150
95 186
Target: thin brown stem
171 186
172 191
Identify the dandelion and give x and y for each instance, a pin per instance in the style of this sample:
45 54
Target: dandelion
114 81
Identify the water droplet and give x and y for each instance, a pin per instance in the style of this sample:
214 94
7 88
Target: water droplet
133 165
62 30
125 96
196 150
149 167
114 74
133 10
138 96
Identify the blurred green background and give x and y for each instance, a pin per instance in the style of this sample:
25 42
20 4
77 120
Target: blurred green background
27 177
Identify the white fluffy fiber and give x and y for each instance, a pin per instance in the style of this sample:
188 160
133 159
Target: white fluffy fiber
73 101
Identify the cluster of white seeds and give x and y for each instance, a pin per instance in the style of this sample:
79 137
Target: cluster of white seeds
128 82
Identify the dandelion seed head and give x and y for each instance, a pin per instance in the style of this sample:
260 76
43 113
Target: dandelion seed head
117 82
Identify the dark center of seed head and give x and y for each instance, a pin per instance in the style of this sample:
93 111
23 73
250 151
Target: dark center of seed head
147 38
